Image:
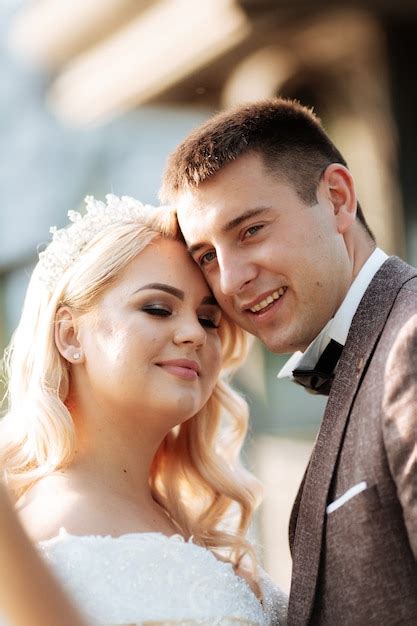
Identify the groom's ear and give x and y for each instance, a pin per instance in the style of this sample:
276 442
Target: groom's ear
339 188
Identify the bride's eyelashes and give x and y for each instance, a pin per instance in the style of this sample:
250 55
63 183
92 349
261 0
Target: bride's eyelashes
207 321
157 310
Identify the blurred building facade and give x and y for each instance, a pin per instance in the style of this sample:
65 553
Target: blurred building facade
99 92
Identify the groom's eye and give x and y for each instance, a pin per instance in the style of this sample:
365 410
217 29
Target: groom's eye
252 230
206 258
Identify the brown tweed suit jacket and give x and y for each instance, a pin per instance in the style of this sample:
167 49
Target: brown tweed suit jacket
356 565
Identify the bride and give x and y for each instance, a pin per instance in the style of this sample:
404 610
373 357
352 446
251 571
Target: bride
122 438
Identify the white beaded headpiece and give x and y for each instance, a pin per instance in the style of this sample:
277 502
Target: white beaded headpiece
67 243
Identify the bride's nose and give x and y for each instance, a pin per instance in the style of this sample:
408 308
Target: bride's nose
190 330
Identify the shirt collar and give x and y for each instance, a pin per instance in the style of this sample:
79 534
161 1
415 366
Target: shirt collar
338 327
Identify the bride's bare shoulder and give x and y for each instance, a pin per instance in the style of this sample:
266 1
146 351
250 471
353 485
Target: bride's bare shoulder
53 503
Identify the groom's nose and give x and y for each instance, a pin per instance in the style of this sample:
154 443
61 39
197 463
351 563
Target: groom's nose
235 274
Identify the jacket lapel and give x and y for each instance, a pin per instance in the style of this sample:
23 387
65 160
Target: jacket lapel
294 512
308 515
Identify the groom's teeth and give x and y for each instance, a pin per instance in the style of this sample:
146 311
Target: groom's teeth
268 300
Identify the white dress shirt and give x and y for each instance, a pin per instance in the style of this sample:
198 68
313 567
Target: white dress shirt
338 327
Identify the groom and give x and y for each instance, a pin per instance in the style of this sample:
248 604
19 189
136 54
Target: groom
269 212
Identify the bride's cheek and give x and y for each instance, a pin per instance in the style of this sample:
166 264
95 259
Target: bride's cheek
212 369
216 356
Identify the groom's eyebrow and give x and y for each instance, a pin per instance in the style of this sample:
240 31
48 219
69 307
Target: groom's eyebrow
195 248
231 225
246 215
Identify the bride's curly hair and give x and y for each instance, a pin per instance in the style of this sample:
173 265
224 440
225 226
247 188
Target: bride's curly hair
196 474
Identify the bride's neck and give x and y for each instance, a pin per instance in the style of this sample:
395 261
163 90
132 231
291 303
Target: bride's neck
115 454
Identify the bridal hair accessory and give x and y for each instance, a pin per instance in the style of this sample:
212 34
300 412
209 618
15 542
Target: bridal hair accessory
68 242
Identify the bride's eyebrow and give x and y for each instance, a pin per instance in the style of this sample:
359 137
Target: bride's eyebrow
210 300
178 293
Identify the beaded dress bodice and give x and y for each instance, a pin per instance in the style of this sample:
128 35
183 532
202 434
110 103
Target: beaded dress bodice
148 578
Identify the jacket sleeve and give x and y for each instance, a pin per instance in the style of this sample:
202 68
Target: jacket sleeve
400 422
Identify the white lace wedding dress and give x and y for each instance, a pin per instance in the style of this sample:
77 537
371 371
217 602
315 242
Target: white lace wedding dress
149 578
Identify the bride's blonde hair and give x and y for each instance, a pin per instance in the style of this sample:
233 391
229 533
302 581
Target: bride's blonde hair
196 474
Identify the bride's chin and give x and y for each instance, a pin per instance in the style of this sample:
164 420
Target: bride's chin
184 411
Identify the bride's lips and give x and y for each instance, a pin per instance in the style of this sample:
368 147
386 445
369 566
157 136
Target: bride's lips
183 368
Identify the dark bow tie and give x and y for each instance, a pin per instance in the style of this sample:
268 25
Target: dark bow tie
319 380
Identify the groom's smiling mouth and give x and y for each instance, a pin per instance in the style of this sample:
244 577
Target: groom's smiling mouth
266 302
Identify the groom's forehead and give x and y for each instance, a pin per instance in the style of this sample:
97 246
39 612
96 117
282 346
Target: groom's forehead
195 207
196 220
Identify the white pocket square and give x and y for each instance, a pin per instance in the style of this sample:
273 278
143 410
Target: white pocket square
350 493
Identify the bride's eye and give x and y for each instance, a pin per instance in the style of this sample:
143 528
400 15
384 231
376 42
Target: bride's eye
210 318
157 310
208 322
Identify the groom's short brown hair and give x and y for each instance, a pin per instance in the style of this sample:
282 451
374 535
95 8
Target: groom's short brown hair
288 136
